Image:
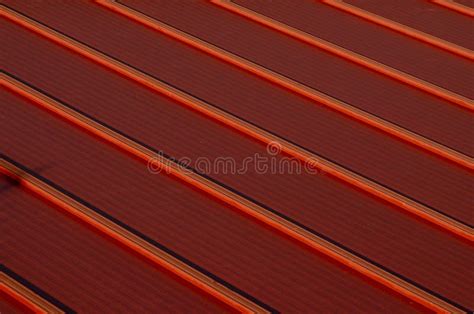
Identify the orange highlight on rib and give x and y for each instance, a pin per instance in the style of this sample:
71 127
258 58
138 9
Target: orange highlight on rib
130 240
400 28
454 6
303 90
341 52
281 224
255 132
25 296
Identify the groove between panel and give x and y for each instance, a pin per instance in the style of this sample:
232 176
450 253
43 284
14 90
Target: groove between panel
347 109
130 240
262 214
400 28
341 52
25 296
443 220
455 6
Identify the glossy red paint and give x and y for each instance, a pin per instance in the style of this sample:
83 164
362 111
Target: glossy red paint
261 262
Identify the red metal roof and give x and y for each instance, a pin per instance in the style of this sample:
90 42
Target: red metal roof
372 102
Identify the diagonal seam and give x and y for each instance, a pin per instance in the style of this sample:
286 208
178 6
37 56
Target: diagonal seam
212 285
402 29
319 243
455 6
340 52
359 181
26 296
295 86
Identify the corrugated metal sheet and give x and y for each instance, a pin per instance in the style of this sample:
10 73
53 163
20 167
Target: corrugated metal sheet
376 99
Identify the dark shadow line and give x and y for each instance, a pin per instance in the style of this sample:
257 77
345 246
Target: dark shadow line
139 234
35 289
289 78
266 207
